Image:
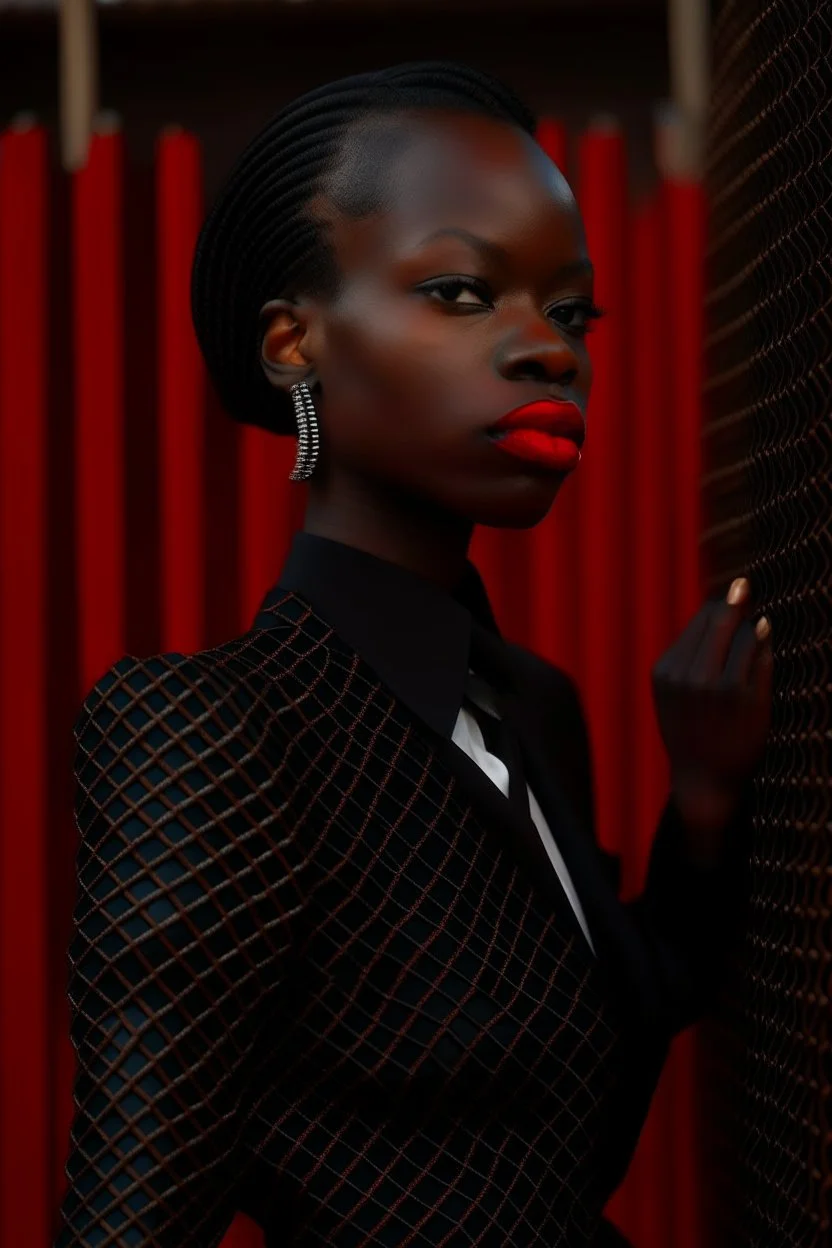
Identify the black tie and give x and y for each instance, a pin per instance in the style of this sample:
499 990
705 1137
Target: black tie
488 660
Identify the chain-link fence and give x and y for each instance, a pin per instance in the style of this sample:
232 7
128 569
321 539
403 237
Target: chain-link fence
768 500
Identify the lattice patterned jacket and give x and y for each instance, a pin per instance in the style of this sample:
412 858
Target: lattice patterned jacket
321 975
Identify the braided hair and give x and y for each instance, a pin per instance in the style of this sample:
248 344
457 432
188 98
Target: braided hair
261 242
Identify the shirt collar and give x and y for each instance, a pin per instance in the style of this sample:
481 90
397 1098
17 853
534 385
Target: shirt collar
413 633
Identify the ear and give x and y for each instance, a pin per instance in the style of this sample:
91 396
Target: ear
285 343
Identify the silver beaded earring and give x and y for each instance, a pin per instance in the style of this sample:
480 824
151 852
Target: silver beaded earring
308 441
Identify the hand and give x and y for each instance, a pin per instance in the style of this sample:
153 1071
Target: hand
712 691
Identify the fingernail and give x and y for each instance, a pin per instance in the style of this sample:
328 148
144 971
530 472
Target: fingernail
737 591
763 628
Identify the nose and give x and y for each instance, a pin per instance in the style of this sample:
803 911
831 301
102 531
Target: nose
538 353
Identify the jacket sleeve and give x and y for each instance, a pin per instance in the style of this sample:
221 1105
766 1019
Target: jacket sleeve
188 885
693 915
690 917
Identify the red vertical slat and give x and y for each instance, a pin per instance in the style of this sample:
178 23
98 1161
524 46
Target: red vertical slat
551 135
98 358
262 461
25 1195
243 1233
267 512
647 1217
685 261
605 494
604 497
653 500
685 207
553 557
181 395
98 304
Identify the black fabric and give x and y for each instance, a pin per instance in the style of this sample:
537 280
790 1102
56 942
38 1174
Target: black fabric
323 972
421 640
414 634
609 1236
310 980
417 638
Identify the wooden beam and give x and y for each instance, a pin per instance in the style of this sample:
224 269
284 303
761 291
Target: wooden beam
688 27
78 79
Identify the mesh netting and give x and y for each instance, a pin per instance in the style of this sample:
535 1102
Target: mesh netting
768 449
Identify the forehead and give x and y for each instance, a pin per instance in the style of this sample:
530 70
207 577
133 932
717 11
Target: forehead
439 168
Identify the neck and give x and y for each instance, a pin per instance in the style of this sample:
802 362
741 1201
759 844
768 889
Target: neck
427 541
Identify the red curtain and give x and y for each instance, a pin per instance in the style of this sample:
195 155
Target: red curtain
25 1092
118 473
181 383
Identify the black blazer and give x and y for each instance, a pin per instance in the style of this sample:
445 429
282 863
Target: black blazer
321 974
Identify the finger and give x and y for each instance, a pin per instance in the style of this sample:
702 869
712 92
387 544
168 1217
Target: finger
765 658
746 648
742 655
742 584
762 671
712 654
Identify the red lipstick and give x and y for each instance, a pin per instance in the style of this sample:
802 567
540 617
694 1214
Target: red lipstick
545 432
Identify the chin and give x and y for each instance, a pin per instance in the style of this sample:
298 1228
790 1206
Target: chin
518 508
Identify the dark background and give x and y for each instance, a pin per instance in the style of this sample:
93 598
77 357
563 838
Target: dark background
221 70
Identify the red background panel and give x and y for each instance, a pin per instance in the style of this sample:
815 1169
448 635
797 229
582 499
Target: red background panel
177 522
181 381
25 1089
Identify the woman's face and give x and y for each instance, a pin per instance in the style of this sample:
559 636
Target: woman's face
465 297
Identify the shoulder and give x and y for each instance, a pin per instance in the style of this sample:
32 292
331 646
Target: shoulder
160 696
179 763
174 691
223 709
164 731
149 742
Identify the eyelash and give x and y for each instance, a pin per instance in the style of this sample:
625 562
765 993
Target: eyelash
586 306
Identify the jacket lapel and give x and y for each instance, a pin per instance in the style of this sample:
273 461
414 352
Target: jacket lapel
621 955
512 832
618 944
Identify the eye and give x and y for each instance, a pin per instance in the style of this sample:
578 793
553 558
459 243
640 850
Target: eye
576 317
449 288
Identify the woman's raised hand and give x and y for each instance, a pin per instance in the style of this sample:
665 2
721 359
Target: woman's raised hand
712 690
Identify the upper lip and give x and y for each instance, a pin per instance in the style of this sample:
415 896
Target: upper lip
554 416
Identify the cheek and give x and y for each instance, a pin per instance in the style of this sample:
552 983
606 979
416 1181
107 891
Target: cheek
376 341
390 362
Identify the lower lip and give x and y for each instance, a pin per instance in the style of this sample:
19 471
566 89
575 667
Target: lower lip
537 447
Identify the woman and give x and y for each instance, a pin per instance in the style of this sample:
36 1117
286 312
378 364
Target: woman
346 956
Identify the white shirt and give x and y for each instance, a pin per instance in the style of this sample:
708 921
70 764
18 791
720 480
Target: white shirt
468 736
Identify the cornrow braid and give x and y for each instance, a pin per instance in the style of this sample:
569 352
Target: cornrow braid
259 242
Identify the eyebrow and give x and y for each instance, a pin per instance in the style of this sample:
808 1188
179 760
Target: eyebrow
495 252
